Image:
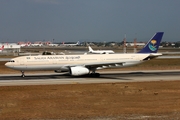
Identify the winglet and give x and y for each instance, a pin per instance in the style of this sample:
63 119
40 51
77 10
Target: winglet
153 44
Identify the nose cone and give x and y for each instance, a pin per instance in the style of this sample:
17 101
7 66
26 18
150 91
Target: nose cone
7 64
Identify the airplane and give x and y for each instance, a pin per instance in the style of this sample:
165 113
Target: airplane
24 44
86 64
76 44
37 44
2 48
100 51
53 45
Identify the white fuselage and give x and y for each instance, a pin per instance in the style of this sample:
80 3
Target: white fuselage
56 62
102 52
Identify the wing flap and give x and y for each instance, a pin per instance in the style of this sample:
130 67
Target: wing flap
103 65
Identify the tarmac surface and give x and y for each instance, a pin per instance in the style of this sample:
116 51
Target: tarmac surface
105 77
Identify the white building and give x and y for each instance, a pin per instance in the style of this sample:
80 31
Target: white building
137 44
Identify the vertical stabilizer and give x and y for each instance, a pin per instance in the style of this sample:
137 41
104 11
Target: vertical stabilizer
153 44
78 43
2 47
90 49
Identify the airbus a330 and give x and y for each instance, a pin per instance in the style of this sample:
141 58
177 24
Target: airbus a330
78 65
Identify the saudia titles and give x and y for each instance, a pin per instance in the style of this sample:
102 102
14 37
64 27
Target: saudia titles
152 45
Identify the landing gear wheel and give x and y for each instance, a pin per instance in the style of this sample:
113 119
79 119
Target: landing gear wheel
94 74
97 74
22 74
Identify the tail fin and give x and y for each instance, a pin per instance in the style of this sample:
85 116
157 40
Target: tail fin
2 47
90 49
78 43
153 44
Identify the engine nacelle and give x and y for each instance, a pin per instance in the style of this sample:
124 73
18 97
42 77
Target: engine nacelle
79 70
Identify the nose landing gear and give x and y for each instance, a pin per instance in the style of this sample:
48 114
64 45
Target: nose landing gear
23 75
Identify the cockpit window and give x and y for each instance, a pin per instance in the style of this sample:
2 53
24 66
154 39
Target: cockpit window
11 61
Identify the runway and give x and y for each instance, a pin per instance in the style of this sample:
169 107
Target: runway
105 77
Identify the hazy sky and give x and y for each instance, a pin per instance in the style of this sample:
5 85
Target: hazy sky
88 20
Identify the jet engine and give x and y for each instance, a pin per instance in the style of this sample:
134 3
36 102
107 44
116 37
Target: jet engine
79 70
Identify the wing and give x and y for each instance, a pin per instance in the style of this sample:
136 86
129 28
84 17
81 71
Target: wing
105 65
100 65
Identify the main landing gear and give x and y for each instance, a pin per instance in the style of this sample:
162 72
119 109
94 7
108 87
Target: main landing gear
22 74
94 74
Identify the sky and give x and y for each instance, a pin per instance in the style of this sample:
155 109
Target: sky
88 20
